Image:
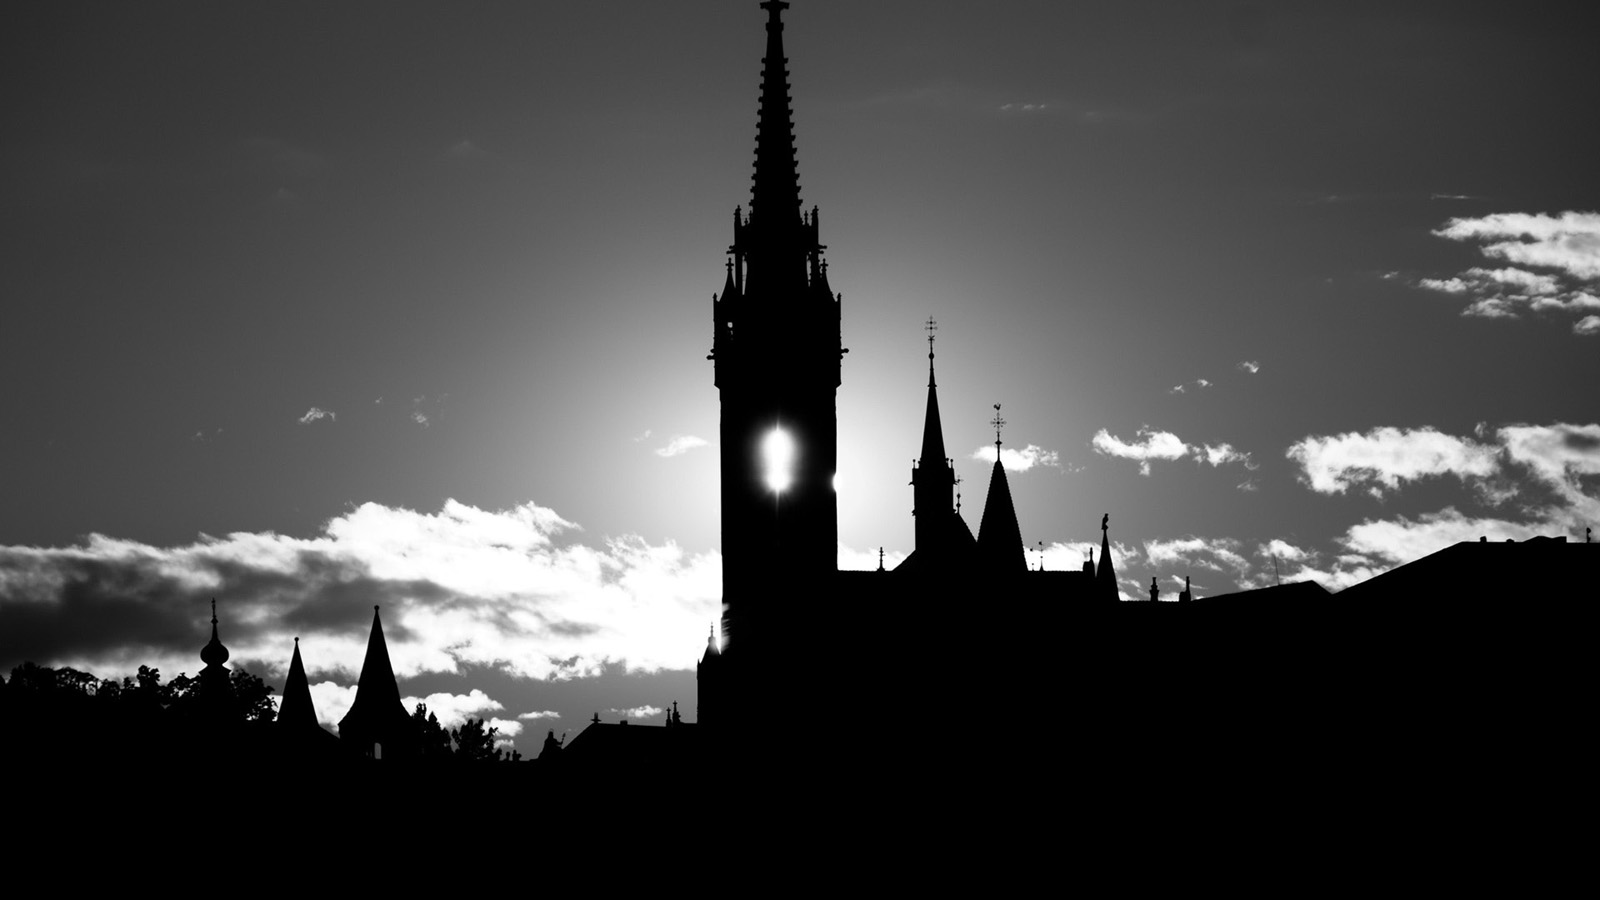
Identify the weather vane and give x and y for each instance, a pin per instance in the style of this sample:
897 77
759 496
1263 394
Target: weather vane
997 422
930 327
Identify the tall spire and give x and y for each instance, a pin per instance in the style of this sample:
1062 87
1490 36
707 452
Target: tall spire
932 430
775 188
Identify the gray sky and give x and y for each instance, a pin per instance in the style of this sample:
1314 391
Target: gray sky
281 282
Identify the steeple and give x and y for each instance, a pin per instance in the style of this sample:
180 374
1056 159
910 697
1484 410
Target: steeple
999 537
933 479
1105 579
296 710
775 188
777 365
932 430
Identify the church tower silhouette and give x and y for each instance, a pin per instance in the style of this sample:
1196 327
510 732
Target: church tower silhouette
776 352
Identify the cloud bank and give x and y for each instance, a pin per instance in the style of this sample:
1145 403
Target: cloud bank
1566 246
463 586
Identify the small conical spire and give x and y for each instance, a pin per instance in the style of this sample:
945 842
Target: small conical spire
999 536
1105 578
297 710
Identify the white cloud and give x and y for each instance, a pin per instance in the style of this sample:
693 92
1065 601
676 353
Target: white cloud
463 586
853 560
1401 540
316 414
1281 549
420 417
1384 457
638 712
680 444
1587 325
1150 445
540 714
1445 285
1546 464
1250 366
332 701
1568 243
1220 454
1155 445
454 709
1200 383
1217 554
1019 460
509 728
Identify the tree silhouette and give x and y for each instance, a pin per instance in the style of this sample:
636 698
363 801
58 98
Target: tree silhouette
474 742
432 740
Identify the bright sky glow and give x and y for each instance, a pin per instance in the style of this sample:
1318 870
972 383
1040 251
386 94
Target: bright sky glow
777 453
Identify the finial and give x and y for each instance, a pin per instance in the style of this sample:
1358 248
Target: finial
1041 556
958 495
297 641
997 422
880 559
1155 592
1105 523
213 610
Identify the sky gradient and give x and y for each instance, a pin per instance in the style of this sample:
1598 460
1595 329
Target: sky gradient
309 307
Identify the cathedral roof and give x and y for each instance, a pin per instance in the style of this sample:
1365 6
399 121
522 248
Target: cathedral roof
999 536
